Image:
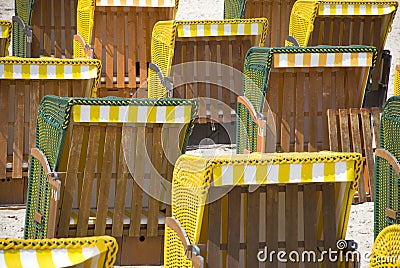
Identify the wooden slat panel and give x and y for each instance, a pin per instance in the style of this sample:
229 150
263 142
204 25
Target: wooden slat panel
18 144
355 32
226 78
121 182
213 76
310 219
179 58
272 97
335 24
120 51
98 34
376 72
156 163
47 9
340 90
57 29
326 103
369 156
70 180
344 130
4 117
313 112
253 226
214 234
202 55
299 115
357 147
36 28
376 125
88 179
132 49
291 220
346 32
105 180
272 221
283 23
353 99
68 33
189 70
288 87
329 218
274 24
137 195
234 211
143 22
333 131
109 49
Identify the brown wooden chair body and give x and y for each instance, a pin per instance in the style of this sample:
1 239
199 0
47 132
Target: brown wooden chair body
236 210
115 172
23 82
357 130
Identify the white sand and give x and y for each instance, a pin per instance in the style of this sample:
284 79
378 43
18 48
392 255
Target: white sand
361 222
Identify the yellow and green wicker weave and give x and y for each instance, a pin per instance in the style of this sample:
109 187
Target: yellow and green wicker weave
93 252
199 183
84 22
386 249
23 10
397 81
5 36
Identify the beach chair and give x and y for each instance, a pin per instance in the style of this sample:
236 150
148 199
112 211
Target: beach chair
276 11
5 37
387 168
233 211
357 130
343 22
298 86
204 59
53 25
110 164
397 81
122 36
23 82
385 252
95 252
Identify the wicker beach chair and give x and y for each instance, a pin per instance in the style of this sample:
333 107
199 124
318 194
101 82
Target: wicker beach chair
5 37
110 164
387 168
319 22
276 11
243 207
298 86
204 59
385 252
94 252
357 130
125 55
22 33
23 82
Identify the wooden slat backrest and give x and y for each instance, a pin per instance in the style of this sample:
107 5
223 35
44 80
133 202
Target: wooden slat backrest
356 130
299 206
299 98
53 26
122 38
278 12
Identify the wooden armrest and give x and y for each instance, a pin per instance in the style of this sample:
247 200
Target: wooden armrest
259 119
39 155
390 158
190 252
86 48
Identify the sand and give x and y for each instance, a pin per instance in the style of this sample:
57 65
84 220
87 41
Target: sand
361 222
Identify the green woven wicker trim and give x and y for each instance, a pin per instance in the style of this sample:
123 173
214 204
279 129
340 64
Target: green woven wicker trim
228 21
23 9
234 9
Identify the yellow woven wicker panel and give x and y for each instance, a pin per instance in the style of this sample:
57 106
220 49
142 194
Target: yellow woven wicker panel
142 3
397 81
133 114
355 59
5 28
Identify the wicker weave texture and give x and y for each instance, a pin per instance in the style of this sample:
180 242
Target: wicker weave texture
386 249
387 186
84 25
397 81
5 36
23 9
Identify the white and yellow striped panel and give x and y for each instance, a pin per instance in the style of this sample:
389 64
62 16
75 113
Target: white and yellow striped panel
341 171
354 59
5 29
92 257
132 114
353 9
136 3
221 28
47 71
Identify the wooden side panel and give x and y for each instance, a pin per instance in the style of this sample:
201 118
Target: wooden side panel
310 219
333 130
214 234
367 142
344 130
4 117
253 228
299 116
272 221
288 86
234 212
18 144
291 220
329 219
313 113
